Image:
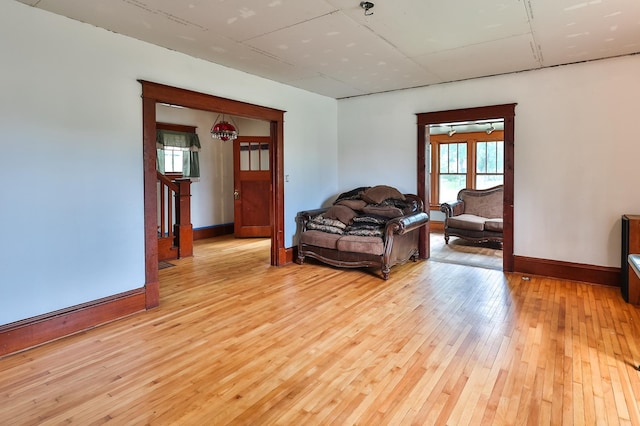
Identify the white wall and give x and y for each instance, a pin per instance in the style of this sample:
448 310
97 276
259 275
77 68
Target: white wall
576 150
71 117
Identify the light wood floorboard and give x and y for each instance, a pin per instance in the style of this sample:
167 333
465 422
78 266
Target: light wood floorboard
236 341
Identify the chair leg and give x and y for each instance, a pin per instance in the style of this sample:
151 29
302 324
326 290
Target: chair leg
385 272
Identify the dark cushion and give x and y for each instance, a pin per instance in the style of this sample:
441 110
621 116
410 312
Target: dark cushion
357 244
342 213
379 193
322 223
386 211
354 194
370 219
367 231
352 204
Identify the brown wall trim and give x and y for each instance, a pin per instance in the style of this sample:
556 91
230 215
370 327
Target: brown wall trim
176 127
603 275
437 226
212 231
30 332
290 254
505 111
153 93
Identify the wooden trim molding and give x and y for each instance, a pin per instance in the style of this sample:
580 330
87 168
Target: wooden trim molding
290 254
506 112
25 334
603 275
176 127
212 231
153 93
437 226
152 286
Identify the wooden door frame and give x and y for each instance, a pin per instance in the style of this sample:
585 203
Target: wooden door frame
507 113
154 93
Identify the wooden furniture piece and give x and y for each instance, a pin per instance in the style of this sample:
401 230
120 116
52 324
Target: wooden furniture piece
475 215
630 283
397 244
633 273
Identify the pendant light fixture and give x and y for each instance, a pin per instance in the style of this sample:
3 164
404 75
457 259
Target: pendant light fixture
224 130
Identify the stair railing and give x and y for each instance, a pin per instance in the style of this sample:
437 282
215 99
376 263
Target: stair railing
174 213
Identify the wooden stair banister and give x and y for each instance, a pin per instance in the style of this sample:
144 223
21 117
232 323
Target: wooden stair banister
175 232
183 228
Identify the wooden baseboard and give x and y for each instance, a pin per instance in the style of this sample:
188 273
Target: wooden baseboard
166 250
30 332
436 226
212 231
290 254
25 334
569 271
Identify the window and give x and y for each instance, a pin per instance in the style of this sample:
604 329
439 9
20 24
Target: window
453 170
173 158
450 157
489 164
177 150
254 156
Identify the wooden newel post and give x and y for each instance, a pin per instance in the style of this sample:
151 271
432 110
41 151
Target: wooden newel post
183 228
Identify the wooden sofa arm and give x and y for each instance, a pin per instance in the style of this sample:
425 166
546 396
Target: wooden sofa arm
305 216
309 214
452 208
407 223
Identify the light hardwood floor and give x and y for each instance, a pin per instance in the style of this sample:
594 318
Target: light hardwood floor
236 341
463 252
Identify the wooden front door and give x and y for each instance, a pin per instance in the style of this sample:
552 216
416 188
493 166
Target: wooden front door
252 186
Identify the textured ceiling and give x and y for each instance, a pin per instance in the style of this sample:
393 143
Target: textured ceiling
330 47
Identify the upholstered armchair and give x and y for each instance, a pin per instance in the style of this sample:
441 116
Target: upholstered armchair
475 215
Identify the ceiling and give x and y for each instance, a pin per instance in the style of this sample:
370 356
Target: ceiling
330 47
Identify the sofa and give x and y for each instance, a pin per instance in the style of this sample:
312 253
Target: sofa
476 215
366 227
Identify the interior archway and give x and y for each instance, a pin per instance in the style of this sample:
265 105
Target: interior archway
153 93
505 112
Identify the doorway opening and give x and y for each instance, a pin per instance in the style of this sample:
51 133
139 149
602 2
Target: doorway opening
505 114
468 154
154 93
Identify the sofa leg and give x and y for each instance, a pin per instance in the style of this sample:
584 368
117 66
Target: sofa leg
446 239
385 272
300 260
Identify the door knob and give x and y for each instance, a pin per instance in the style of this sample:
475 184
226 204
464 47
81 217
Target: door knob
236 195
